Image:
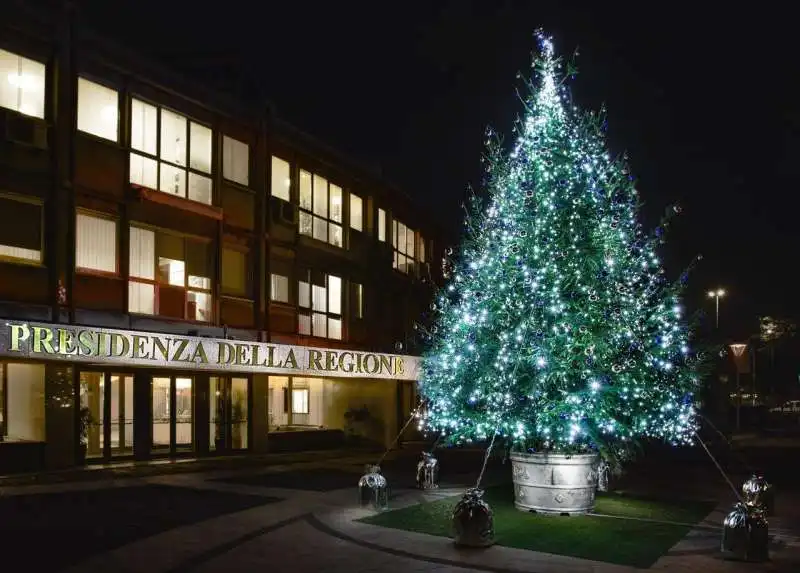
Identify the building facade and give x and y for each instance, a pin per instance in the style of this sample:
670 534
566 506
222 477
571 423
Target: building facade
182 274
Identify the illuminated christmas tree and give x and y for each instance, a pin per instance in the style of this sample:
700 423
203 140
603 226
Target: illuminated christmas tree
558 330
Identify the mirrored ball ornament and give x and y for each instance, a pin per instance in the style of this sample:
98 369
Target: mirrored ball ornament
745 534
758 492
373 489
473 521
427 472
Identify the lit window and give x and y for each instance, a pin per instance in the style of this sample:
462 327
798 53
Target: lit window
304 294
281 179
279 288
323 304
304 324
22 402
335 328
382 225
20 230
175 159
320 209
356 213
22 84
403 245
181 268
98 110
300 400
235 160
144 127
334 295
201 142
95 243
234 272
141 293
174 142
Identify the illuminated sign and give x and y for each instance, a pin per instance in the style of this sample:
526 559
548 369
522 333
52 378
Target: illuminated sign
131 348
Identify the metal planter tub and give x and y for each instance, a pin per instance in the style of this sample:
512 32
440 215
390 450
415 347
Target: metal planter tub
555 483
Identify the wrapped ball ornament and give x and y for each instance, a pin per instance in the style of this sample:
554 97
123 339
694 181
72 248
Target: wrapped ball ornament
373 489
428 472
745 534
473 521
759 493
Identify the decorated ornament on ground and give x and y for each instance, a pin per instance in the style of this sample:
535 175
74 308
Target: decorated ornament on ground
603 472
473 521
745 534
759 493
428 472
373 489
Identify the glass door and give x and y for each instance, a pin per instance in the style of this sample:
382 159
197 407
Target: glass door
184 413
228 406
239 396
92 395
106 400
161 410
120 420
172 413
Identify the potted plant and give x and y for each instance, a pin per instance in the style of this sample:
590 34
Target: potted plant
237 417
84 421
559 335
355 421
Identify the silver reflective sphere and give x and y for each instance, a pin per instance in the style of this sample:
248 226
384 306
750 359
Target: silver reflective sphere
473 521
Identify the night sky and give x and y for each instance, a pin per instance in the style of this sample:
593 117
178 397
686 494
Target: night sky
707 104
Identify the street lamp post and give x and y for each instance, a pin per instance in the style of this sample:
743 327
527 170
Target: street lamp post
738 350
717 294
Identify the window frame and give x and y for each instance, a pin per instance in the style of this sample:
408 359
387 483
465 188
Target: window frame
157 283
306 401
309 311
102 84
245 252
288 163
358 311
42 254
360 227
45 87
309 212
398 252
3 399
223 137
107 217
5 362
272 298
187 169
381 225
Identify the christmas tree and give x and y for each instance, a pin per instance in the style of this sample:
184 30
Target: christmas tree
558 330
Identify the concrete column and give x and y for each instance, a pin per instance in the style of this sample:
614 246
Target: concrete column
202 414
390 411
60 227
60 417
260 413
142 415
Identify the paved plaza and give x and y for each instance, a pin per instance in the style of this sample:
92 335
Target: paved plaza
286 518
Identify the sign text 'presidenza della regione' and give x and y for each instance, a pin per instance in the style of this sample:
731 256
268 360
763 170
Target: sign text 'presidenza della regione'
132 348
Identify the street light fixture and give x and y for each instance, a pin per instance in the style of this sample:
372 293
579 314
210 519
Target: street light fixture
717 294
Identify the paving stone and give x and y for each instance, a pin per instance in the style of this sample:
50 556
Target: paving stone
321 479
315 529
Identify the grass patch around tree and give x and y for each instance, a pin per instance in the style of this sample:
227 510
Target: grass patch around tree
625 541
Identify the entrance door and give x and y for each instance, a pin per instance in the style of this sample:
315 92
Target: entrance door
107 407
172 413
228 399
